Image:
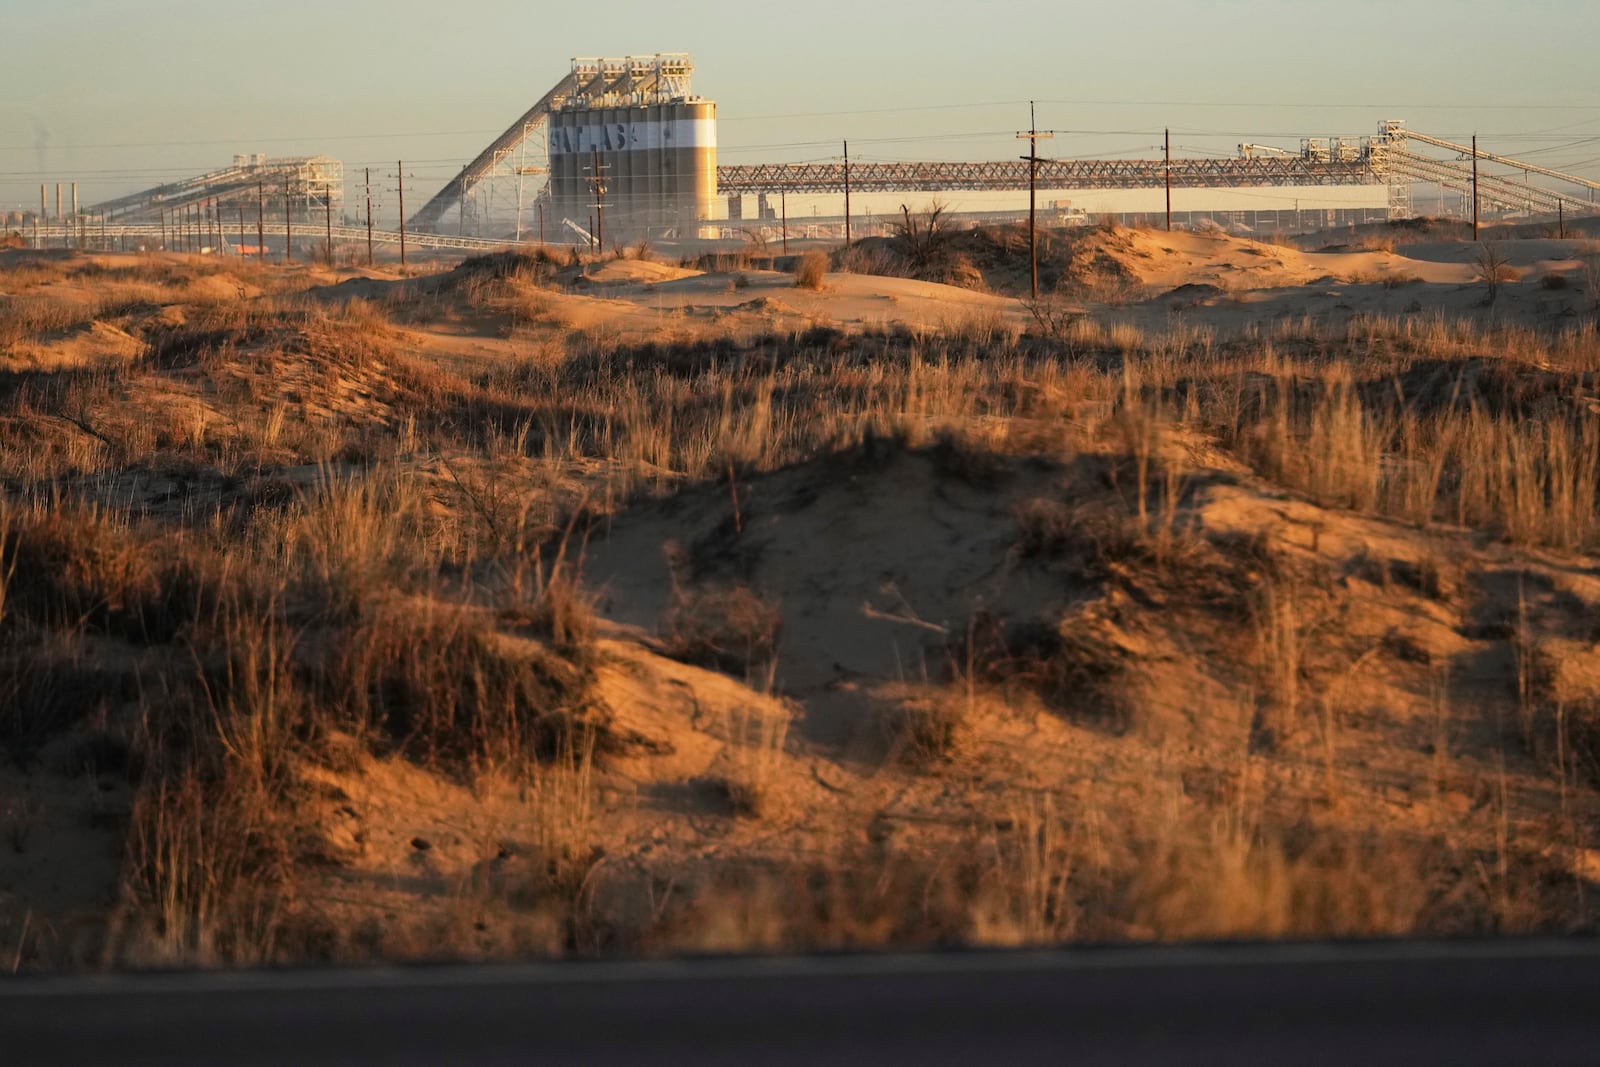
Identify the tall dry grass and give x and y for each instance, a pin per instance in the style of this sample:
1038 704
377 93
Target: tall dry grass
309 580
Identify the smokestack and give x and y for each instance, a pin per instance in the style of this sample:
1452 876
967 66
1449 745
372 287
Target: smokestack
58 201
44 201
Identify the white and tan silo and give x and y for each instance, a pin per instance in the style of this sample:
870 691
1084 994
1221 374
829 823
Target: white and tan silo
654 149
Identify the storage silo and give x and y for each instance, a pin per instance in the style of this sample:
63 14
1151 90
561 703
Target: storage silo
653 146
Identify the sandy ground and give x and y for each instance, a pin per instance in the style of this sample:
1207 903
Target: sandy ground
877 564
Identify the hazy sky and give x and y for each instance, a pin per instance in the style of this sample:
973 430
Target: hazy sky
123 94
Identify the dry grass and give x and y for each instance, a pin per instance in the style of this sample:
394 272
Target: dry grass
275 546
810 270
727 628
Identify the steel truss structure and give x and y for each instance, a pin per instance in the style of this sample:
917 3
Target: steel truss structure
1053 174
308 183
1386 159
1393 160
592 82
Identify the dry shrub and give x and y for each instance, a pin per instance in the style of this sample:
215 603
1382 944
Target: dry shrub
355 536
1029 891
50 688
1278 630
1368 242
810 270
854 898
563 612
563 800
1070 663
924 240
926 729
442 685
1231 879
77 567
23 317
726 628
213 839
1327 445
1045 528
1536 483
533 265
209 872
753 762
1491 268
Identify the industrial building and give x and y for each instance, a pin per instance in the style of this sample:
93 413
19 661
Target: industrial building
631 151
304 186
620 150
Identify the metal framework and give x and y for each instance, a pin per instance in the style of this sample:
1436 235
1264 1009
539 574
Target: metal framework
1393 160
592 82
1386 159
96 234
310 183
1057 174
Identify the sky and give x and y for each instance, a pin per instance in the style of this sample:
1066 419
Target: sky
125 94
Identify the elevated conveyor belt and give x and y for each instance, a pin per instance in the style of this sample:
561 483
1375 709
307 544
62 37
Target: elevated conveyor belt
1493 189
314 178
490 158
1053 174
1533 168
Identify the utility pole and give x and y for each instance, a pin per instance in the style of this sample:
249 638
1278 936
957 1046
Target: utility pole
261 222
163 229
597 185
288 224
1561 219
327 204
1474 187
241 230
1032 137
783 195
369 215
847 194
400 176
1168 169
541 224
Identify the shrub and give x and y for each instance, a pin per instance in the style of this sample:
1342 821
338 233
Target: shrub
729 629
810 271
1491 268
926 730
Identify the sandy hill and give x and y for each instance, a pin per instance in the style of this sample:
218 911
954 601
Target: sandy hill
353 615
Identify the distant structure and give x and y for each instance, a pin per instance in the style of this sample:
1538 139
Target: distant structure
623 151
628 149
305 185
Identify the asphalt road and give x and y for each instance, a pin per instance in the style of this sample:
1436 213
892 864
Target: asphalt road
1518 1002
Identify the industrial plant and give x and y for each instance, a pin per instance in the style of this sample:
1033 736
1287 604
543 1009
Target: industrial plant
620 150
